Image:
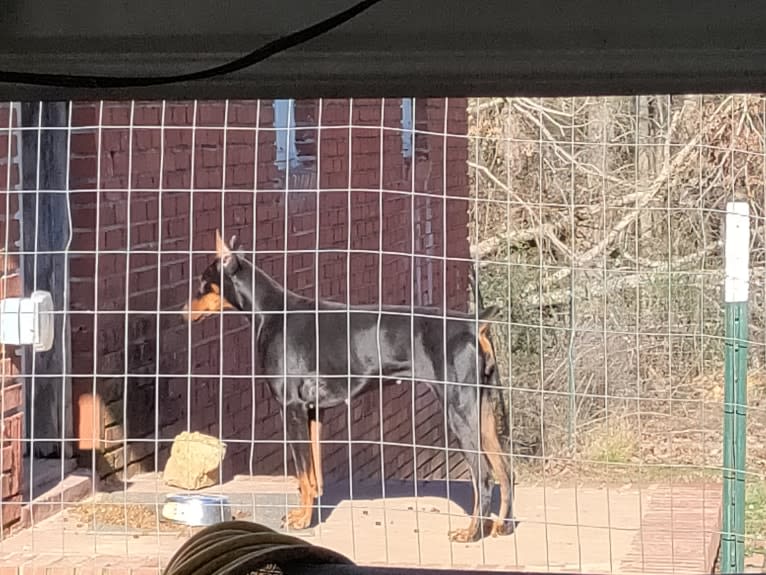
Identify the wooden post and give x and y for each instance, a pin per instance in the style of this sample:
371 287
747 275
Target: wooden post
45 228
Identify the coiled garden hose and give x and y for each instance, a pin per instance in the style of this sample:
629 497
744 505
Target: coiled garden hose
243 547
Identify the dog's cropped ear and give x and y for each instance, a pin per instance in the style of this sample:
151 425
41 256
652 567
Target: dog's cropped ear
228 258
221 249
233 242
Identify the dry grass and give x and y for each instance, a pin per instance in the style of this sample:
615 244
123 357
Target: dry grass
679 439
755 518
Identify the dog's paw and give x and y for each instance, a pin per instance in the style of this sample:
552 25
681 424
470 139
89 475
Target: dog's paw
297 519
503 527
465 535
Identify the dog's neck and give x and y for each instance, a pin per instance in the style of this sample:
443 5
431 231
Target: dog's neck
258 291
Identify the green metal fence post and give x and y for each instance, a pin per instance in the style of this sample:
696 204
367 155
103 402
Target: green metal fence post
737 256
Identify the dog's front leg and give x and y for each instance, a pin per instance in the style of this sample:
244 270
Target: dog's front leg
315 432
297 421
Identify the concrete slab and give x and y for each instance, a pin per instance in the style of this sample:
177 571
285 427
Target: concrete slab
580 529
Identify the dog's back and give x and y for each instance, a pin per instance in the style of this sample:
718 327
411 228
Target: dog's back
391 342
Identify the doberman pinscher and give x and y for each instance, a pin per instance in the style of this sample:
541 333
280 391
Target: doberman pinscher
311 368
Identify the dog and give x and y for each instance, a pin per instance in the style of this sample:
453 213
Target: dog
311 368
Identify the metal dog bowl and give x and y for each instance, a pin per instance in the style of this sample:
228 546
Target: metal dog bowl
196 510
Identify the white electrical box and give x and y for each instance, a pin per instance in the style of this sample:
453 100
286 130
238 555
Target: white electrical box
28 321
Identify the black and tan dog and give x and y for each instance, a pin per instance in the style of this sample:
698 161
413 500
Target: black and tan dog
311 368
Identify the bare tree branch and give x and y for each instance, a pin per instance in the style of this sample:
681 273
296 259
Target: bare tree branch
677 264
547 231
631 281
642 200
587 169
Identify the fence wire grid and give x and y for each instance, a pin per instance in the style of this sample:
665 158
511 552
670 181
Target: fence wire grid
596 226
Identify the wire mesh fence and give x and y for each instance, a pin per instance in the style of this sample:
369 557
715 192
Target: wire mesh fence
596 228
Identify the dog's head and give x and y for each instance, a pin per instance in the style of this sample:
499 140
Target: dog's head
216 290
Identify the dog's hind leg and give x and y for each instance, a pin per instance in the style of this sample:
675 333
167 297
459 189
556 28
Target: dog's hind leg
494 418
464 423
498 459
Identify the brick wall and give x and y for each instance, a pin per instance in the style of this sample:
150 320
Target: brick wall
200 379
11 386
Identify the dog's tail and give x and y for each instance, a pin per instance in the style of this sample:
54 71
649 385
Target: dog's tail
485 316
492 389
487 347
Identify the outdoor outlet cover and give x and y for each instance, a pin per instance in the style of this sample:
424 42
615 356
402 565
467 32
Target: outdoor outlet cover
28 321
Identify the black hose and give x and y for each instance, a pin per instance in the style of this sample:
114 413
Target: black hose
243 547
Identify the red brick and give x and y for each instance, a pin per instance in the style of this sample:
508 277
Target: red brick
81 167
5 116
90 421
11 483
4 143
211 114
243 113
10 286
12 398
9 458
12 426
147 114
11 510
112 141
85 114
9 180
117 114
